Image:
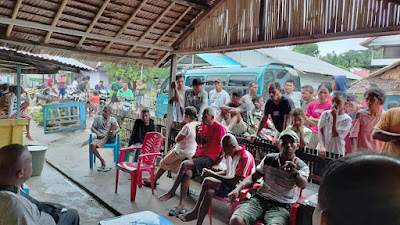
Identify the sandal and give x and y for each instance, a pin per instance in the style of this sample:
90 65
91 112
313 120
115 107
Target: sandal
176 212
147 183
103 169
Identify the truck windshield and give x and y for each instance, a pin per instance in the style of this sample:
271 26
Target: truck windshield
280 76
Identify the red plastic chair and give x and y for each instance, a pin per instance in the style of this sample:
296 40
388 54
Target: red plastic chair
242 195
150 150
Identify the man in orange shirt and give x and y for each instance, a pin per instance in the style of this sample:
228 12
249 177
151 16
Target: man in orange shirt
388 131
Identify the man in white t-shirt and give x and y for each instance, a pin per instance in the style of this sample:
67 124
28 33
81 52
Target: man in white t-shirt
179 96
184 149
333 127
218 96
294 95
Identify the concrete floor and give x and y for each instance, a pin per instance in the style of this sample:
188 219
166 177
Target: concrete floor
52 186
68 152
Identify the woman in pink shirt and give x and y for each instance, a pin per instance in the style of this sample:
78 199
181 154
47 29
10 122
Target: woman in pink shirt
315 109
365 120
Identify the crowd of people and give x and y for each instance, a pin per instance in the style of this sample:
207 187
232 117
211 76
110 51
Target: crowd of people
331 121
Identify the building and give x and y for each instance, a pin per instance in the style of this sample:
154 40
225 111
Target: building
391 50
387 78
313 70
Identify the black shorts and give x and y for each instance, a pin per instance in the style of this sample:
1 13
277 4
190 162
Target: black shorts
111 140
114 97
200 163
225 190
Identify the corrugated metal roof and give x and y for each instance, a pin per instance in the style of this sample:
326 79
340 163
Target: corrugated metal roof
306 63
385 41
218 59
58 59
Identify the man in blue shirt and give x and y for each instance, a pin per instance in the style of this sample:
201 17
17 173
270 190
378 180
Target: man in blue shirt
100 86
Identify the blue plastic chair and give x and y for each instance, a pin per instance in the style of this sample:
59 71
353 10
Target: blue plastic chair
115 146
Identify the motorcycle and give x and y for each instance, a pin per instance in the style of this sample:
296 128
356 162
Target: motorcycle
126 105
104 97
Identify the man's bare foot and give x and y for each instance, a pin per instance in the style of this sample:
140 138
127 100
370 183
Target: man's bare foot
190 216
29 137
165 197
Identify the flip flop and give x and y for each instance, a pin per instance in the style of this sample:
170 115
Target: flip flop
174 212
103 169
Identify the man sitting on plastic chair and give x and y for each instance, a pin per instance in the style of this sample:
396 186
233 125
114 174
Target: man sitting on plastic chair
105 127
139 131
284 175
239 164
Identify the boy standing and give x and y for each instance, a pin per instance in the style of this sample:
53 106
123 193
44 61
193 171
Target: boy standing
298 117
333 126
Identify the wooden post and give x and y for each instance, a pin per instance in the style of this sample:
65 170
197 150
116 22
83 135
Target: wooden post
172 78
19 92
261 23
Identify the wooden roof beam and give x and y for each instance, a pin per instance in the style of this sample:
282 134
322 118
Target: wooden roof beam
188 30
192 4
72 51
168 30
151 27
94 21
13 16
55 20
39 26
126 24
161 59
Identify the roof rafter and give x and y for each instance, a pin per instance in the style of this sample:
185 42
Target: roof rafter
94 21
126 24
161 59
73 51
168 30
55 20
151 27
190 3
44 27
13 16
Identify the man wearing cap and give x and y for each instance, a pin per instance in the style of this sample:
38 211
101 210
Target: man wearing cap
284 175
218 96
196 96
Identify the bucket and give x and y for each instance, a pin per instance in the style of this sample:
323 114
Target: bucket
38 153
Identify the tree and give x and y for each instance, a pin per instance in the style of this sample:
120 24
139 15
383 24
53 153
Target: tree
132 73
349 59
307 49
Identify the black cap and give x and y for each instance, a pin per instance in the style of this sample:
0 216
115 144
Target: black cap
197 81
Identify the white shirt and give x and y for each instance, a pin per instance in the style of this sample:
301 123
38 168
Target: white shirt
296 98
343 125
187 147
18 210
219 99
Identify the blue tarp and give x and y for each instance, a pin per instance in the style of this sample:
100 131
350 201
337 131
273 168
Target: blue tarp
218 59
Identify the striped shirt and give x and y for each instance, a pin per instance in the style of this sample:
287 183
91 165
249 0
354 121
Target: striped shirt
242 164
277 184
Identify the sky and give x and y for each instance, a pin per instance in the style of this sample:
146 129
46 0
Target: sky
339 46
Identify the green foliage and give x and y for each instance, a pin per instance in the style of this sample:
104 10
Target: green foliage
307 49
132 73
349 59
38 117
